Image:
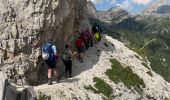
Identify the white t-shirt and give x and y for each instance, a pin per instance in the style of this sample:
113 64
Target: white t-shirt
54 49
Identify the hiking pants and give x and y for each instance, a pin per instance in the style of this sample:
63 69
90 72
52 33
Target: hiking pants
91 42
68 67
87 44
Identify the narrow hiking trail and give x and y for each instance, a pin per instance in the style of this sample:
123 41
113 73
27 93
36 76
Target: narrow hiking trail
96 62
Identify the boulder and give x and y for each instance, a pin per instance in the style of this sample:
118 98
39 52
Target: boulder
12 93
28 94
3 84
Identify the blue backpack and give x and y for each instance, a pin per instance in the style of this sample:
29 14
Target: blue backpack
47 49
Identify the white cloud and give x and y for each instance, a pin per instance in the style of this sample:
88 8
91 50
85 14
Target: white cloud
102 1
113 1
138 2
144 2
127 5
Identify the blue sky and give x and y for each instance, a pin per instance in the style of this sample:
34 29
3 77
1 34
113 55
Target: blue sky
132 6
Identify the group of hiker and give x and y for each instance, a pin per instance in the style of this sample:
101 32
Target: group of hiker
85 40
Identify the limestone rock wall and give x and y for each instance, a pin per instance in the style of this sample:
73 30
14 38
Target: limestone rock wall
23 20
91 10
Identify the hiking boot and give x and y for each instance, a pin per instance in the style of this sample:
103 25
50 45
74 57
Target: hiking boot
57 79
81 60
50 82
70 76
65 75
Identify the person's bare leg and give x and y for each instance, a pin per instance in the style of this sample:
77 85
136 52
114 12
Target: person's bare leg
49 77
56 74
49 73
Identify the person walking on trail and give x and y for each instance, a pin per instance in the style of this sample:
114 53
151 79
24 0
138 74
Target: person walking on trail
99 31
96 37
83 36
67 60
49 55
89 38
79 47
96 30
84 40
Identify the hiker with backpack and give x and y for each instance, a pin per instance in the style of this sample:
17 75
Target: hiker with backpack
49 55
67 60
89 38
79 47
96 37
96 30
84 37
99 31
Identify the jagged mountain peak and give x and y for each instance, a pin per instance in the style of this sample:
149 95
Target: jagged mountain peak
159 6
164 9
91 10
91 4
113 13
115 8
107 16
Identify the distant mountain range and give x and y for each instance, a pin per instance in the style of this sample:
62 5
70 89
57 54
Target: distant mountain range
159 7
117 14
164 9
114 13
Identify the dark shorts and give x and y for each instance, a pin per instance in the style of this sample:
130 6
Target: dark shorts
52 62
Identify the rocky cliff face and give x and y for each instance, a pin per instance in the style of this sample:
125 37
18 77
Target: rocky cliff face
23 20
91 10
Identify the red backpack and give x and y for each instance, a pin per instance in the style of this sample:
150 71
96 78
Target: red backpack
78 43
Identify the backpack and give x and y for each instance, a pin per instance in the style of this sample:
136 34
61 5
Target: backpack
47 50
78 43
66 55
97 35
